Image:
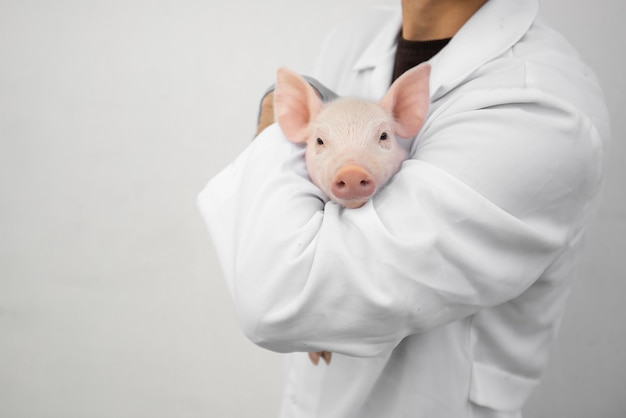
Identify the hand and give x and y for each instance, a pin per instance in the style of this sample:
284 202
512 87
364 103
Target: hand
315 357
266 117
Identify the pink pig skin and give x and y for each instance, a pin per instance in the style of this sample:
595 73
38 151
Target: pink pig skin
352 147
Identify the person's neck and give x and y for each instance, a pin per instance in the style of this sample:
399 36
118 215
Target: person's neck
424 20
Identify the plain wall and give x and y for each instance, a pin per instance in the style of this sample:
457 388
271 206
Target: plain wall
113 115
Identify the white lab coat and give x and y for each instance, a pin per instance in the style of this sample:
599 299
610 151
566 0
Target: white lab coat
440 297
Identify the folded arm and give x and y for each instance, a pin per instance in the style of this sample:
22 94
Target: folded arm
471 221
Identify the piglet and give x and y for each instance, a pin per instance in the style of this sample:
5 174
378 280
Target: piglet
352 145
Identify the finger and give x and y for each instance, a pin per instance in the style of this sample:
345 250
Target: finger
315 358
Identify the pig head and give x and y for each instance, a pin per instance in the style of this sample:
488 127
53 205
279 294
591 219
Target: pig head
352 145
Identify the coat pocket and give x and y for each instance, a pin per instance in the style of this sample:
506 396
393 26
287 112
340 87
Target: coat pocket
498 389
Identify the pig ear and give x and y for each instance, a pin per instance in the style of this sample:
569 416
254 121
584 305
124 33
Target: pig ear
295 104
408 99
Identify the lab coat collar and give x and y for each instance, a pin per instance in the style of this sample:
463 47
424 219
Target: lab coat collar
493 29
382 45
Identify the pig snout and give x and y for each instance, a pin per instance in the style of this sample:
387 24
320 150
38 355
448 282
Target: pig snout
353 185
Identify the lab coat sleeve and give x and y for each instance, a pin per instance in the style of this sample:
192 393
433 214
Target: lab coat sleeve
487 202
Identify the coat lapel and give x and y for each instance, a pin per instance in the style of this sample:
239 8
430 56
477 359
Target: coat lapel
375 65
495 28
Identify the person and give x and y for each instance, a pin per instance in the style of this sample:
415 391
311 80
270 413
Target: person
440 297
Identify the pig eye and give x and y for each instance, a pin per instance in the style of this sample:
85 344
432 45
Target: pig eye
319 141
384 136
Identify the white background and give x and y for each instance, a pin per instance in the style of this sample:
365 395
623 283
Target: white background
113 115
